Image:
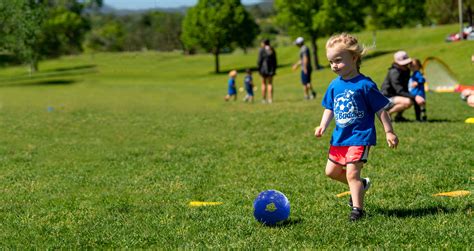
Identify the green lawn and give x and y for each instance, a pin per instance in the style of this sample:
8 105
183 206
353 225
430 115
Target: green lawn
107 150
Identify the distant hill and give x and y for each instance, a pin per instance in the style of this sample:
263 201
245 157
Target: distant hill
266 6
107 9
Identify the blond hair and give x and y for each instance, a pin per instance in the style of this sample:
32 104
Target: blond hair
347 42
233 73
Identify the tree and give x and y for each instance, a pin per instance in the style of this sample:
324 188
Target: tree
316 18
247 31
396 13
34 29
216 24
21 30
109 36
446 11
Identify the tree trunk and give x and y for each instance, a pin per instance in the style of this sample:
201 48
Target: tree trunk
317 66
33 66
469 14
374 38
216 55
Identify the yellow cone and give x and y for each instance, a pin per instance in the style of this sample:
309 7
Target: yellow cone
204 203
343 194
454 193
470 120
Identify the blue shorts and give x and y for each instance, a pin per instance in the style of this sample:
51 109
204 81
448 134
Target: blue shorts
305 78
250 92
231 91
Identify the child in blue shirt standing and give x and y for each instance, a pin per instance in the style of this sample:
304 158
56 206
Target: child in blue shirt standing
353 100
416 87
248 86
231 90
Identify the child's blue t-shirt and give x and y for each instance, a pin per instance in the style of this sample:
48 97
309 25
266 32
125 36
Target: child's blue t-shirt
231 89
354 103
419 90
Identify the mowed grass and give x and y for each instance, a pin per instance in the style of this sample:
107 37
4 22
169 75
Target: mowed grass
107 150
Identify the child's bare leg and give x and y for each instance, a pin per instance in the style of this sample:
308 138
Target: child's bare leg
336 172
355 184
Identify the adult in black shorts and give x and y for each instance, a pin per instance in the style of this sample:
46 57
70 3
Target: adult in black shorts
267 64
305 62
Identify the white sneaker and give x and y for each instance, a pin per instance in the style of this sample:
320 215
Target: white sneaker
366 182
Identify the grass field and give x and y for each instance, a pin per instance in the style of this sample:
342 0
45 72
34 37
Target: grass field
107 150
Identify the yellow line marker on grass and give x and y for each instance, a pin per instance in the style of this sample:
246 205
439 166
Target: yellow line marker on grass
454 193
204 203
470 120
343 194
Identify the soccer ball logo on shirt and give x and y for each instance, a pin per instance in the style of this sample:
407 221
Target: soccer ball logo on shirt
345 109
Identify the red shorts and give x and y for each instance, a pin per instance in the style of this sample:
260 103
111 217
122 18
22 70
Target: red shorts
343 155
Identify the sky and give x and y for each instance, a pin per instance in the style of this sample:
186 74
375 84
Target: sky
146 4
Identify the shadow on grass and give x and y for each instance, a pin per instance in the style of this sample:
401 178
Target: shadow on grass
72 68
429 121
287 223
377 54
42 83
420 212
42 76
254 69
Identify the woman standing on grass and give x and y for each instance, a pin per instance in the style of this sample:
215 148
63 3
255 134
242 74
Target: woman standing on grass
353 100
267 64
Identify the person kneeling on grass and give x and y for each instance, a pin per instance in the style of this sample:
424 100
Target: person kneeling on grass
231 90
353 100
395 86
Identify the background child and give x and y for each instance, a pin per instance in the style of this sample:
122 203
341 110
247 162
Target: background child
416 87
353 100
231 90
248 81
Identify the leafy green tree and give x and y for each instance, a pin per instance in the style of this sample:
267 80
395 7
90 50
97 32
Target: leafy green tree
108 37
63 32
446 11
247 31
216 24
34 29
395 13
315 18
20 30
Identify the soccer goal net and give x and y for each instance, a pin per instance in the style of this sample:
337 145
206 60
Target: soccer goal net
439 77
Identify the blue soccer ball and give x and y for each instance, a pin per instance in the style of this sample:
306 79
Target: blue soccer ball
271 207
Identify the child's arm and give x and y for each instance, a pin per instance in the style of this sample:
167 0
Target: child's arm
414 84
296 65
392 138
325 120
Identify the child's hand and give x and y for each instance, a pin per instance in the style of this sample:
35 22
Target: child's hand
319 131
392 139
294 67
